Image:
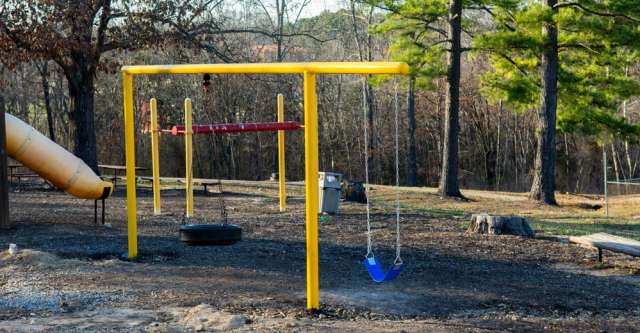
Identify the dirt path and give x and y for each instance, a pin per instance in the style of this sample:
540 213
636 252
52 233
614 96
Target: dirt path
453 282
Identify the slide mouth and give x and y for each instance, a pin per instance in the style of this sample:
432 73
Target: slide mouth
106 191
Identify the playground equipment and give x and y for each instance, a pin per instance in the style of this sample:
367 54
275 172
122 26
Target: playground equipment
371 262
309 72
179 130
210 234
52 162
238 128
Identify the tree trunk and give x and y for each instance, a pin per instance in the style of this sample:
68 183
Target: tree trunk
81 92
4 183
449 186
44 73
412 165
543 186
614 156
497 160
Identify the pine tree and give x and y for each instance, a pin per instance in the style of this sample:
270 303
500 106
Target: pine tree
567 59
427 35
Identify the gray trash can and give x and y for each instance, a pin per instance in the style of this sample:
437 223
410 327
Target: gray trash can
329 187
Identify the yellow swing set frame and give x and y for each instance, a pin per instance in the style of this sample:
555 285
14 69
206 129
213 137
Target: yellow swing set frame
309 72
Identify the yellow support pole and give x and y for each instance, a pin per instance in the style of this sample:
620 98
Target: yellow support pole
155 156
311 189
188 156
130 156
281 167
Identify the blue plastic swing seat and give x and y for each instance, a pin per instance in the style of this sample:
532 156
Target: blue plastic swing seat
376 272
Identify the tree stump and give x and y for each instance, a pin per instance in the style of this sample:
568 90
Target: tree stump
500 225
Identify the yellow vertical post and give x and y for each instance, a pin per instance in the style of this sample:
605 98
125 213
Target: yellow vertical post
155 156
281 160
188 156
311 189
130 157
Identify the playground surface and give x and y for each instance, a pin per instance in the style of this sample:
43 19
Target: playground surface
70 274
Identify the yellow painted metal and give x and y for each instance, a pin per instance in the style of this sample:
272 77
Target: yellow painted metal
188 156
155 156
311 189
276 68
130 156
309 70
52 162
281 160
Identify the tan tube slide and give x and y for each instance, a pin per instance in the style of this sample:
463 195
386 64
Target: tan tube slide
52 162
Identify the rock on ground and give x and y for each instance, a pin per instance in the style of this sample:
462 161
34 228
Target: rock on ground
205 318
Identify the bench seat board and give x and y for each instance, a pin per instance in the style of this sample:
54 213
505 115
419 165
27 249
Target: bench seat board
609 242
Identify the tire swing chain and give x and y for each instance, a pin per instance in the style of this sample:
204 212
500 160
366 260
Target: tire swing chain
221 203
217 234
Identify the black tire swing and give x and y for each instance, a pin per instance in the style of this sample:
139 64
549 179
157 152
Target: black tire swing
210 234
218 234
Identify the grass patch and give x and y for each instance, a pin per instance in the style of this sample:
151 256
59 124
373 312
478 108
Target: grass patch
600 266
569 218
435 212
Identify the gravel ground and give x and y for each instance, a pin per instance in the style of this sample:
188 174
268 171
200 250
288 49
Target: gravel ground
452 282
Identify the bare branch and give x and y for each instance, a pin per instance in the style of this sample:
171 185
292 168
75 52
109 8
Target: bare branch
595 12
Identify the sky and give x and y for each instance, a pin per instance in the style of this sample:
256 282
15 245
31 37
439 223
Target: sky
317 6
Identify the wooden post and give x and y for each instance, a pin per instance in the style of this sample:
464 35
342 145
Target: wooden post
4 184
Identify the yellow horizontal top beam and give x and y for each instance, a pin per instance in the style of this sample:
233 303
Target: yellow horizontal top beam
274 68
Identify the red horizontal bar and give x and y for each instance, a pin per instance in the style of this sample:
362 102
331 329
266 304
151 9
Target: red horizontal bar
238 128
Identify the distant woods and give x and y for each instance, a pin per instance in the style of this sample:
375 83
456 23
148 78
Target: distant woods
505 105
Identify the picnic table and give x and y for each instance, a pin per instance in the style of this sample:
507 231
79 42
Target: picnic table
19 172
116 170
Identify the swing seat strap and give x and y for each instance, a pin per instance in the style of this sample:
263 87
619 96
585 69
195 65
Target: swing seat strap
376 272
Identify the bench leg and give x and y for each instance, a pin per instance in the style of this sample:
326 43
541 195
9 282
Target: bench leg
599 255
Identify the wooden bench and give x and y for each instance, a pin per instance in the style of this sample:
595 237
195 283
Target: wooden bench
202 182
196 181
116 169
609 242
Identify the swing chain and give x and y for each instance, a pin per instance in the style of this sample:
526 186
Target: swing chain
398 260
217 174
366 171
